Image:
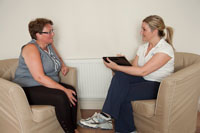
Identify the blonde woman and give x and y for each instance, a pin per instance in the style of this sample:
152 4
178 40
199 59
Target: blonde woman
153 62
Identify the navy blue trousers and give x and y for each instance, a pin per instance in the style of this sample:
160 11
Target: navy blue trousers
123 89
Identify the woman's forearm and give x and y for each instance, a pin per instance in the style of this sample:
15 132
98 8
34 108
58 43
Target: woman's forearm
48 82
132 70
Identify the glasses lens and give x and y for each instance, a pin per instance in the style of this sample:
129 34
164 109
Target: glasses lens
50 32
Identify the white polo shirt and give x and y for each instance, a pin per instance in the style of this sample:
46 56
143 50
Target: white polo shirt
161 47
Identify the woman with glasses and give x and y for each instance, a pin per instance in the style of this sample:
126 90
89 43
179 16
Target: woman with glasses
37 73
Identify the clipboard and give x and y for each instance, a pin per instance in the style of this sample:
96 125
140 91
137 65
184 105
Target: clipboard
120 60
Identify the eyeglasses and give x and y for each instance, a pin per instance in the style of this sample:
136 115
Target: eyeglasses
50 32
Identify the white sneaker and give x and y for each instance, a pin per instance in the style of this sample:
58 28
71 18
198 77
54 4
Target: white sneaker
97 121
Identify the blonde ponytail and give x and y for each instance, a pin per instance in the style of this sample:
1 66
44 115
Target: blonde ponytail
169 34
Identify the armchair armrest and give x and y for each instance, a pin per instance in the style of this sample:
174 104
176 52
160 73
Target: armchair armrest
70 78
14 107
178 87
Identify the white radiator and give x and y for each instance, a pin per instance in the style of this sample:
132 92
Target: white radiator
93 80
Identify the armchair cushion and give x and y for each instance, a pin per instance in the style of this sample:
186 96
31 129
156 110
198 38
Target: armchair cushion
42 112
144 107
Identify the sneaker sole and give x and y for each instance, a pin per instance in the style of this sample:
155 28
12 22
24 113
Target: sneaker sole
85 126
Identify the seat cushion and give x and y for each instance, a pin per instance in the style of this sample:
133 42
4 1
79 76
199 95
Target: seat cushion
42 112
144 107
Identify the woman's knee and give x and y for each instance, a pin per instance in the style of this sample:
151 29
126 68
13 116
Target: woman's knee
61 97
118 73
121 75
71 88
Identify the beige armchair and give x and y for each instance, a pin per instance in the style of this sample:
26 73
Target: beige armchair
175 109
16 115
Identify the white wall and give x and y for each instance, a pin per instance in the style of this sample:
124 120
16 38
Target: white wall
95 28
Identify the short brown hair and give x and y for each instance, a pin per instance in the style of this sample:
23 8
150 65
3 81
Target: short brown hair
37 25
